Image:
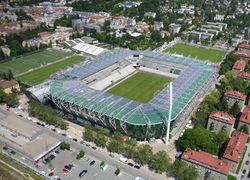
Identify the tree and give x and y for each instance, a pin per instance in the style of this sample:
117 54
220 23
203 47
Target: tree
199 139
115 146
145 153
117 171
235 109
65 146
180 170
244 129
156 36
15 47
3 97
100 140
80 154
160 162
10 75
89 135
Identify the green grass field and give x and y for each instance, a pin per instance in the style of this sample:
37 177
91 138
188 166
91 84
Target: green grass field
140 87
7 172
42 74
197 52
35 60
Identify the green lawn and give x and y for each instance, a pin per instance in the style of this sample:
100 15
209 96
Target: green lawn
35 60
42 74
140 87
197 52
230 177
6 170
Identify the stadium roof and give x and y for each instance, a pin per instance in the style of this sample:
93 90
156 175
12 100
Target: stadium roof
71 89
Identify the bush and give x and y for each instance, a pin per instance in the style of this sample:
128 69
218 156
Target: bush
117 171
80 154
65 146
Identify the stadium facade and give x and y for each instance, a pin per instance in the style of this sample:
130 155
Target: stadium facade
81 91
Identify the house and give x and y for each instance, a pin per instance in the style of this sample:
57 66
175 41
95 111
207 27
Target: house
235 149
235 96
245 76
158 25
130 4
244 47
238 67
220 122
208 166
245 117
7 86
219 17
174 28
244 55
150 14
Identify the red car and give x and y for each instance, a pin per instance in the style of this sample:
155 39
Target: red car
51 173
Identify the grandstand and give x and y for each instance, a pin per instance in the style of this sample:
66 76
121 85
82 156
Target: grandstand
81 46
82 91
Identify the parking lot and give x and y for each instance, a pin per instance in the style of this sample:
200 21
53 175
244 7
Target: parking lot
74 167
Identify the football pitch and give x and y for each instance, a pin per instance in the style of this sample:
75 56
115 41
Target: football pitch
42 74
140 87
197 52
31 61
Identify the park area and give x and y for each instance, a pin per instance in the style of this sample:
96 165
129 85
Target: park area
141 87
42 74
200 53
25 63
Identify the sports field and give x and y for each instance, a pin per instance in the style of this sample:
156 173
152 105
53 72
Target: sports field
140 87
34 60
197 52
42 74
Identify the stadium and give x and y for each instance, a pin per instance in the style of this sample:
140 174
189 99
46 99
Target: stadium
101 90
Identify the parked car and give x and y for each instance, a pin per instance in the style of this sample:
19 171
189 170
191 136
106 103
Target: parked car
112 155
93 147
92 163
137 166
82 173
130 164
74 139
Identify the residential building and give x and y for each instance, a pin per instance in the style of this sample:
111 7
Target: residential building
245 118
220 122
174 28
245 76
158 25
7 86
235 149
238 67
150 14
235 96
244 55
219 17
208 166
244 47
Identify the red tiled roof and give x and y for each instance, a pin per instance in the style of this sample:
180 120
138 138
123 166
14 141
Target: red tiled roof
239 65
7 84
245 75
222 116
236 94
244 46
207 160
245 116
235 146
243 54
